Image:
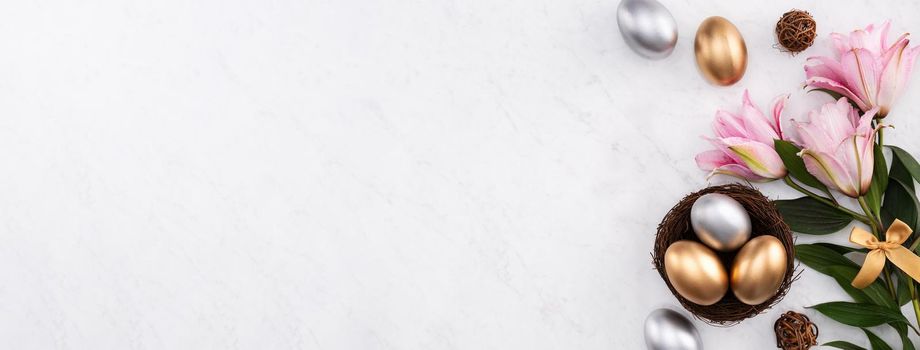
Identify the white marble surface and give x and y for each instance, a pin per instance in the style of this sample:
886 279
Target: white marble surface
364 174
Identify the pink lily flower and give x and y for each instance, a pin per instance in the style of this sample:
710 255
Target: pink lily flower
867 70
837 146
744 143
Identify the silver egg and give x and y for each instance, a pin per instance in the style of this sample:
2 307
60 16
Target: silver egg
720 222
648 27
666 329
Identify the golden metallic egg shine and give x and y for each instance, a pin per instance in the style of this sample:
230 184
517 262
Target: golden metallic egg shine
720 51
758 270
695 272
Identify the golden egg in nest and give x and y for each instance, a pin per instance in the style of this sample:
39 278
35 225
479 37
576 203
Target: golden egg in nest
758 270
695 272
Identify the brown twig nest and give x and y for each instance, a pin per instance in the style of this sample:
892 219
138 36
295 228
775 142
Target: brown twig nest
765 220
794 331
796 31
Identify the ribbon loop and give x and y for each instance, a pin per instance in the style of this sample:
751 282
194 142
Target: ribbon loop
898 232
891 249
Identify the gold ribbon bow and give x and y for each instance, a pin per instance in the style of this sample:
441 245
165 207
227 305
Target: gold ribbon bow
891 249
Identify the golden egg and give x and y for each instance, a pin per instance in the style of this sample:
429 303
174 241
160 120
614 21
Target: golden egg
695 272
720 51
759 270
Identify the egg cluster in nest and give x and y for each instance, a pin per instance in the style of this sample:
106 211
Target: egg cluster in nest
765 220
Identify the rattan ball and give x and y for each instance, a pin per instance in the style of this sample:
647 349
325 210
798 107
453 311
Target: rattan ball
794 331
796 31
765 220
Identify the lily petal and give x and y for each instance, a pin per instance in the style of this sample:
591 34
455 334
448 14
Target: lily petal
760 158
895 73
838 87
830 172
861 74
739 171
712 159
778 105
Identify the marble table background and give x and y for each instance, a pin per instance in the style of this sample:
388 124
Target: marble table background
341 174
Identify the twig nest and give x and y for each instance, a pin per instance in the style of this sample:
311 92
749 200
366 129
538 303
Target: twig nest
765 221
795 331
796 31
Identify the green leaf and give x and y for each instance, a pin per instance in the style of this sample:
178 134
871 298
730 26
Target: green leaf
875 293
902 332
899 171
903 163
880 168
840 344
842 249
879 181
809 216
876 342
903 290
900 203
907 343
829 259
789 153
903 169
821 258
859 314
909 162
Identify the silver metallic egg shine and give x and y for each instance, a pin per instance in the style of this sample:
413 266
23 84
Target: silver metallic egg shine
648 27
666 329
720 222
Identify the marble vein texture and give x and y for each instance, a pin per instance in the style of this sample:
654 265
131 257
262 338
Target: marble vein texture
365 174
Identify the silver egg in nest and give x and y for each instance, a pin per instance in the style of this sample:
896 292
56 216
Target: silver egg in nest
648 28
666 329
720 222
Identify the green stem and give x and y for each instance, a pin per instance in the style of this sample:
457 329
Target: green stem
831 196
876 226
855 215
881 134
890 284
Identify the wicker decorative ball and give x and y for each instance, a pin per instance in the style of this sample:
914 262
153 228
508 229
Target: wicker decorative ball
796 31
794 331
765 220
